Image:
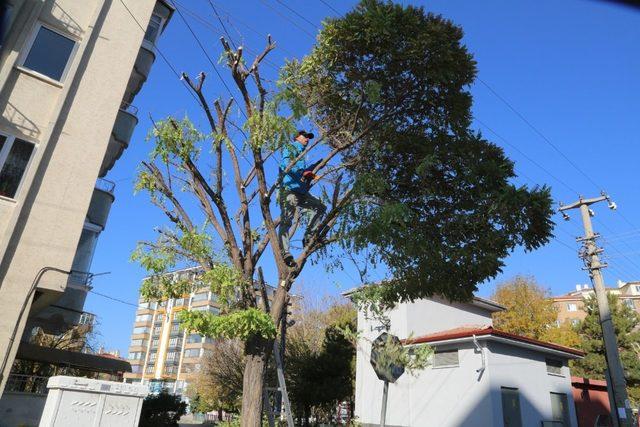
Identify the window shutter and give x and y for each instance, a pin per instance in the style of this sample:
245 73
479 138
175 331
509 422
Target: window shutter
448 358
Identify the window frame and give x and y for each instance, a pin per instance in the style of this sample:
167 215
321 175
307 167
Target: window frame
4 155
448 366
29 45
151 45
571 305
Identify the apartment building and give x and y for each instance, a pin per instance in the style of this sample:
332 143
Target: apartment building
69 72
571 306
161 353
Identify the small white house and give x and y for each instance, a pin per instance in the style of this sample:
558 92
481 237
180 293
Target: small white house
480 376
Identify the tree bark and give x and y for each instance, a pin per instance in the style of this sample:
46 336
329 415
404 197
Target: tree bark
256 356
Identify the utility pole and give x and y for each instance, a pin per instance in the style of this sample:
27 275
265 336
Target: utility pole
616 383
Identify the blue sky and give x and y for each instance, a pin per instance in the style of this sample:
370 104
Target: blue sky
569 69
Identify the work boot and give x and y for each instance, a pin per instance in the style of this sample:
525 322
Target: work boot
289 260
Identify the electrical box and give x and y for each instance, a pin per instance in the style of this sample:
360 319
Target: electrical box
84 402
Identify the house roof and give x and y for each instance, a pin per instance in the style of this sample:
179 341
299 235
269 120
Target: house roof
490 331
477 301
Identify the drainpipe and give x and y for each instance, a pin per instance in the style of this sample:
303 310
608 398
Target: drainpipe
481 350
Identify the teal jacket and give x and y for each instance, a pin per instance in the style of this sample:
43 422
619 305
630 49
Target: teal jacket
292 180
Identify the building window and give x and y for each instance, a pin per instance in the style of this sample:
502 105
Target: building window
50 53
192 352
159 317
170 369
156 330
140 330
152 356
554 366
143 318
179 302
136 355
173 355
560 408
572 307
445 359
629 303
153 29
150 369
175 342
637 288
14 158
138 343
194 338
201 297
511 415
175 328
135 369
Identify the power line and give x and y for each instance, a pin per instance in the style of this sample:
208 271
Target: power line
297 14
330 7
162 55
224 28
206 54
212 27
292 21
537 131
526 156
114 299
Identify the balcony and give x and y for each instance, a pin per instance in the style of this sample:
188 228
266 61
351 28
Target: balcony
123 128
141 69
101 201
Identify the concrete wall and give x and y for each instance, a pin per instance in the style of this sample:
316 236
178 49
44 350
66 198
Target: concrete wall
21 409
71 124
414 400
526 370
457 396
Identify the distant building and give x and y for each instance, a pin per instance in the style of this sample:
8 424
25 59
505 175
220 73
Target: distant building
571 306
161 354
479 376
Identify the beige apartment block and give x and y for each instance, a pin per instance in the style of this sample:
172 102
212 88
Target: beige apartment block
161 354
571 306
69 70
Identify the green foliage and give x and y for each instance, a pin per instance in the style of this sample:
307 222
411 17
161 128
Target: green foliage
433 199
625 322
225 282
175 139
240 324
319 380
269 129
162 410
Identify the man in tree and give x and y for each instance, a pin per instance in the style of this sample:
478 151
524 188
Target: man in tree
296 183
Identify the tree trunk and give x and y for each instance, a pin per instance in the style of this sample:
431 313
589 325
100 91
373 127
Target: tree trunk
256 356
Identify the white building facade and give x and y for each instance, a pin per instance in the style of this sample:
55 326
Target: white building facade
479 377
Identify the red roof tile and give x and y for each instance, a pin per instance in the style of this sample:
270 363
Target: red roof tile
469 331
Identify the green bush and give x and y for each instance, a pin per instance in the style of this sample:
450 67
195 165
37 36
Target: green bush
162 410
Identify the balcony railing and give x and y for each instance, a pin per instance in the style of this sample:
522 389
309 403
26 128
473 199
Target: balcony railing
27 384
105 185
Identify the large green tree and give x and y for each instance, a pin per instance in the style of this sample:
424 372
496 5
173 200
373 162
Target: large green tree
408 184
625 322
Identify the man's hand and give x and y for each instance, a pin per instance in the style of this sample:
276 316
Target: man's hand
308 176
